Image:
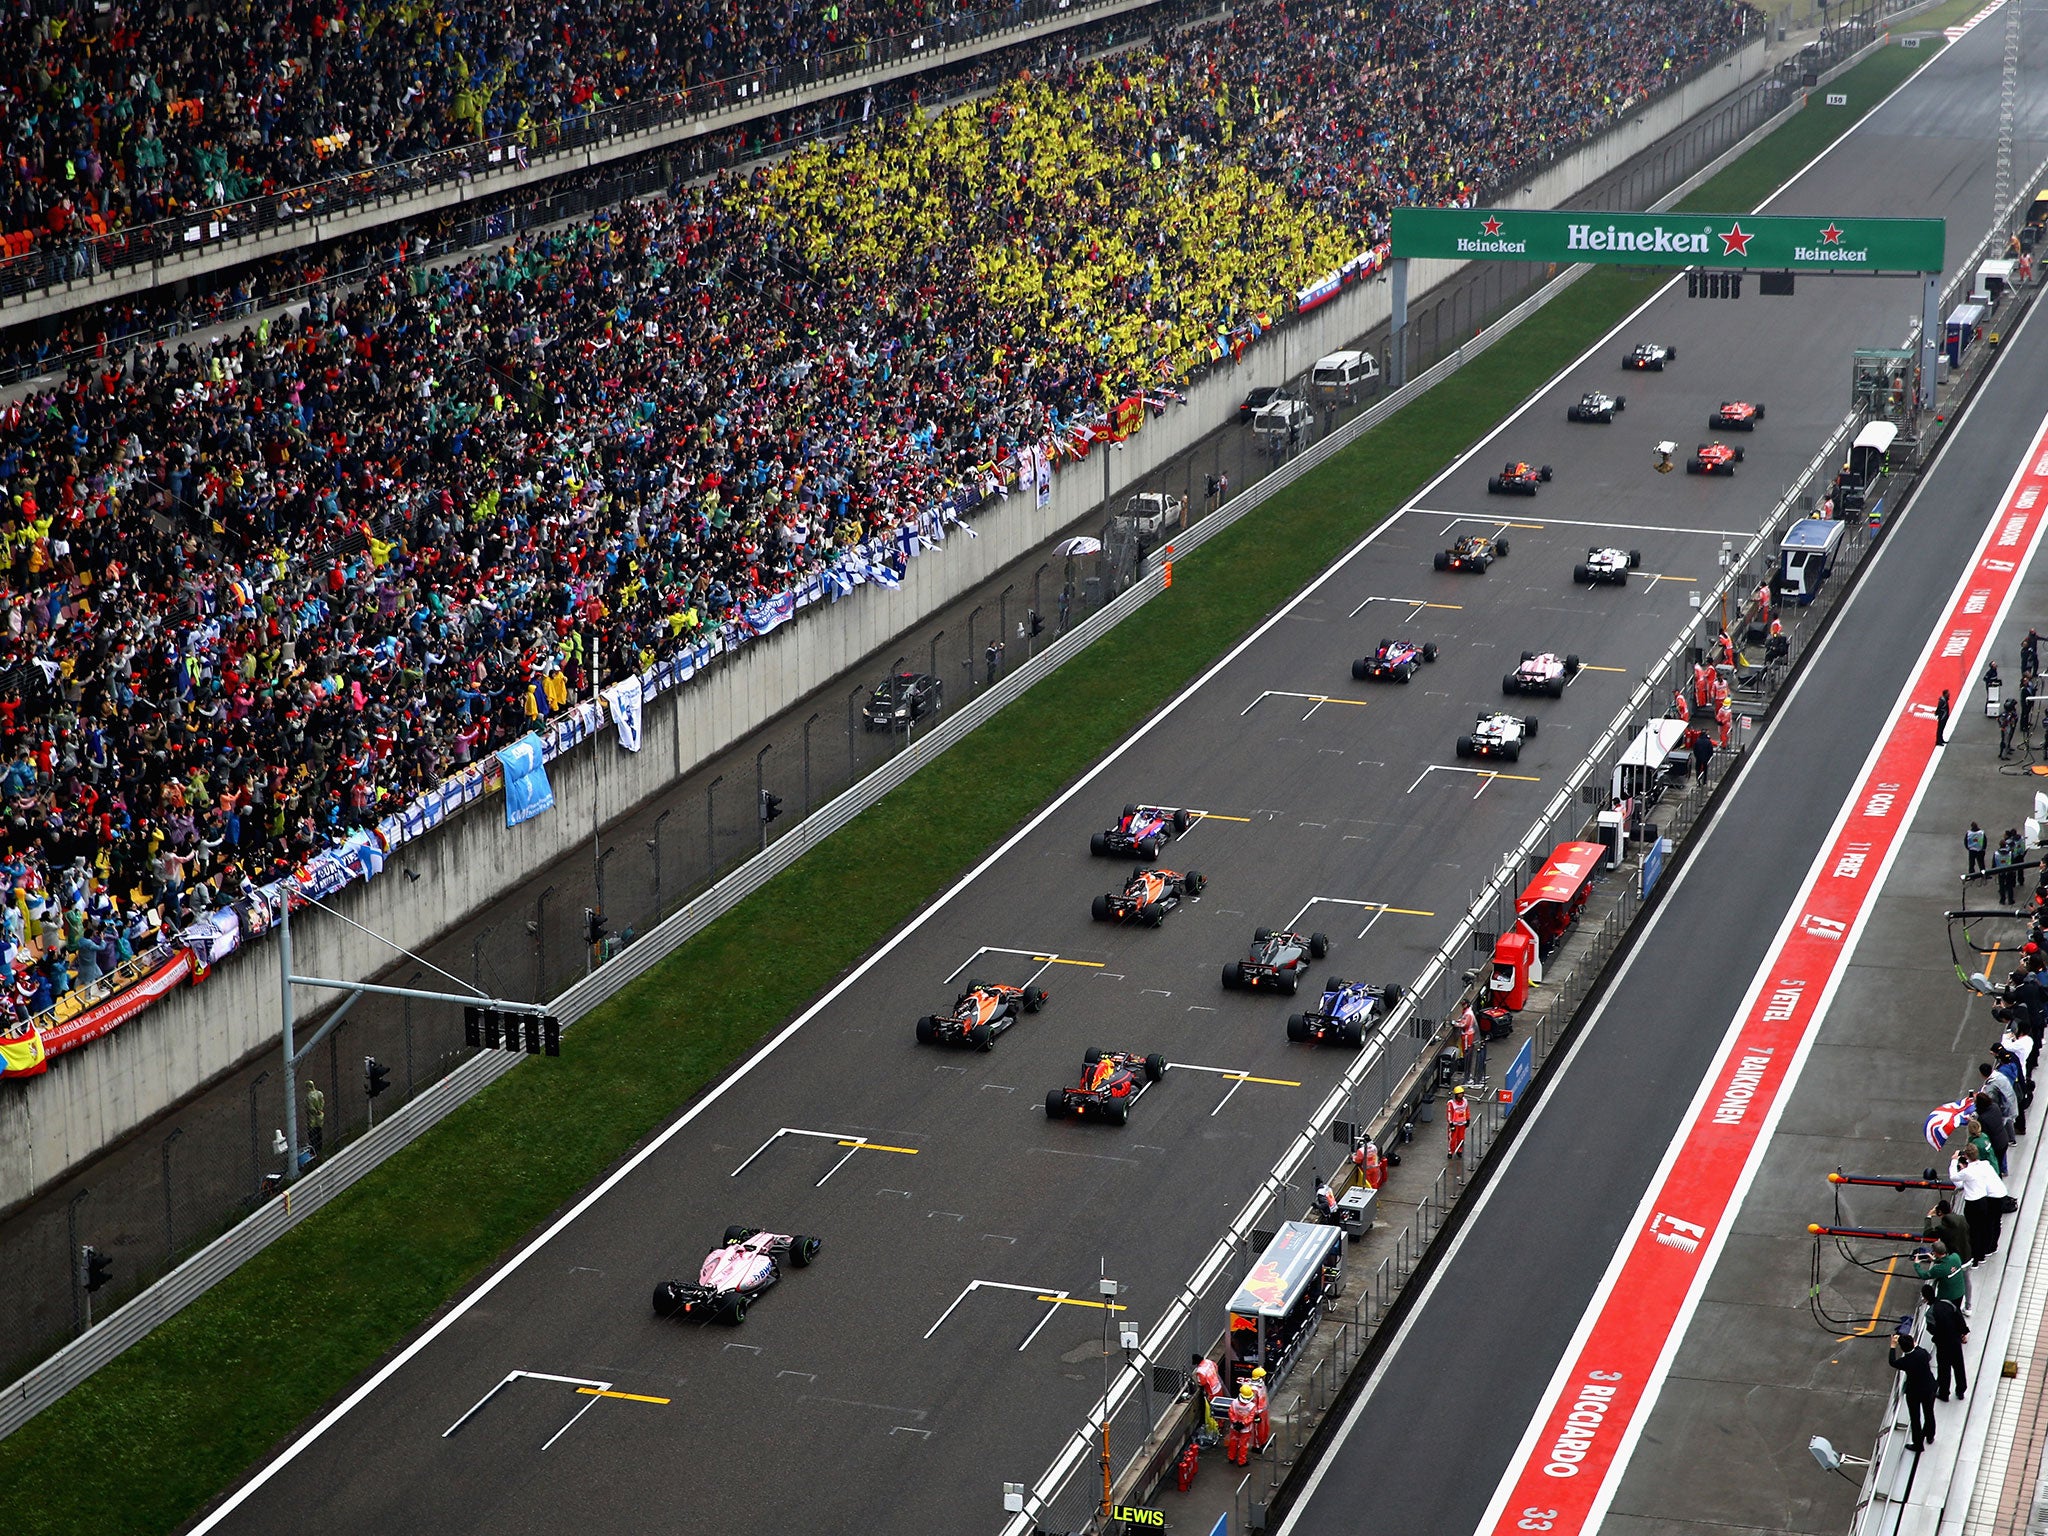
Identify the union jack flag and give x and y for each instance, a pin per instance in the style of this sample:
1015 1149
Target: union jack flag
1946 1119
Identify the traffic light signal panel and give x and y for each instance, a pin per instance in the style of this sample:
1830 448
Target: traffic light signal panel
376 1077
95 1267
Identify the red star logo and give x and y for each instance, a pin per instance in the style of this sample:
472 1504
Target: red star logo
1831 236
1492 225
1734 242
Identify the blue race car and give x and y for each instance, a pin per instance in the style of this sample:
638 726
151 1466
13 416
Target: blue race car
1347 1011
1395 659
1143 830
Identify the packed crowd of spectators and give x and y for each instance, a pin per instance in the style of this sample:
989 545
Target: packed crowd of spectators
115 117
262 590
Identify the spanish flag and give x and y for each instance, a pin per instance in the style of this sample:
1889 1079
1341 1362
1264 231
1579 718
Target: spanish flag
23 1055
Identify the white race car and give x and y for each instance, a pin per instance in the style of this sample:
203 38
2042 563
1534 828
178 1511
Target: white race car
1649 357
1608 566
1497 735
1541 672
1595 405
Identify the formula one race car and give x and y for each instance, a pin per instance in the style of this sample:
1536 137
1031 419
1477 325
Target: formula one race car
1148 896
1609 566
1111 1082
1395 659
1738 415
1595 405
1713 459
1474 552
1546 672
1496 735
1518 479
732 1276
1649 358
1143 830
982 1012
903 698
1277 960
1347 1011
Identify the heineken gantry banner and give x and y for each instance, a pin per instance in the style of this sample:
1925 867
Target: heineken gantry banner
1774 242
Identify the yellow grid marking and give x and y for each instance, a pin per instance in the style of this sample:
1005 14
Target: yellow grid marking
624 1397
872 1146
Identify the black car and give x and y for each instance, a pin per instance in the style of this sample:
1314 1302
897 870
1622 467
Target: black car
1257 401
1277 961
902 699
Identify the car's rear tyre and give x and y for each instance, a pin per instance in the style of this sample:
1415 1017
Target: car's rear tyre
1464 746
1297 1028
1155 1067
1529 725
1116 1112
1233 975
1512 751
1151 914
981 1037
1318 945
1290 983
802 1250
1055 1104
1148 847
1582 575
1360 670
734 1312
1493 486
1100 909
928 1030
1098 845
739 1234
1349 1033
1692 466
1555 687
1508 685
668 1299
1442 561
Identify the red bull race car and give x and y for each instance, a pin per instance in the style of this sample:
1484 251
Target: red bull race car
733 1275
1609 567
1497 735
1143 830
1649 357
1736 415
1518 479
1474 552
981 1013
1277 961
1347 1011
1713 459
1111 1082
1397 660
1596 405
1541 672
1148 896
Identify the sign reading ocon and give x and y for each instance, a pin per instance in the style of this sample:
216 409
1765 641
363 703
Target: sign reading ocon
1774 242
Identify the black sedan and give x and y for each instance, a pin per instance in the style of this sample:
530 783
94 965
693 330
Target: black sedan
902 699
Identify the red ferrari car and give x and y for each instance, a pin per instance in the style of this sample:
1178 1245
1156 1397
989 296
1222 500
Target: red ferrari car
1111 1082
1735 415
1713 459
1148 896
981 1013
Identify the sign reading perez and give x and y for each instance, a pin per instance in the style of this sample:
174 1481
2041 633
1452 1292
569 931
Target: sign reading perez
1777 242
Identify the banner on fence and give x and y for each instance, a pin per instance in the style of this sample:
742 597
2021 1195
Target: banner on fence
527 791
623 699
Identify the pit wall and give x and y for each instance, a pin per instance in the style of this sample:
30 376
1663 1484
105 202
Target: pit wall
93 1096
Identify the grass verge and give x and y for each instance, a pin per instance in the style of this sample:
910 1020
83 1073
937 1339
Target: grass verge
148 1441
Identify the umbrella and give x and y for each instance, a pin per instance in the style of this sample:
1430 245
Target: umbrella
1073 547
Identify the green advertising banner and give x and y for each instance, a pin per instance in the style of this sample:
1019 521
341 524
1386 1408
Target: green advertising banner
1774 242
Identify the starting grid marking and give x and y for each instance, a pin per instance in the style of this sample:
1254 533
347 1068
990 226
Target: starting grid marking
1043 958
853 1144
1416 604
1235 1078
1598 1402
1485 775
585 1387
1320 699
1379 909
1054 1299
1452 519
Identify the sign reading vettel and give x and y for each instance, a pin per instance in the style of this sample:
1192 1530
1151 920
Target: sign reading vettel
1775 241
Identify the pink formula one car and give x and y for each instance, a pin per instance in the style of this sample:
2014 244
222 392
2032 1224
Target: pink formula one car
732 1276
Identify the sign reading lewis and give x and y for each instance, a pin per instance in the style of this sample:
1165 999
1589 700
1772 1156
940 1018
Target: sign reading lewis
1779 242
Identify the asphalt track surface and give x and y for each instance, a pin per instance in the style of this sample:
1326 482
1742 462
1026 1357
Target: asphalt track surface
839 1403
1569 1194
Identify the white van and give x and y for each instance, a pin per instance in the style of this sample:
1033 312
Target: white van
1347 375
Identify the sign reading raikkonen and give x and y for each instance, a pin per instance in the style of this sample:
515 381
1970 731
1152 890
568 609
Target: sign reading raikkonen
1775 242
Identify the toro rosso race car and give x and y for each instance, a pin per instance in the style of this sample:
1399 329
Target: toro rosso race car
1595 405
1111 1082
1649 358
1546 672
1142 829
1608 566
982 1012
1495 735
732 1276
1347 1011
1277 960
1474 552
1148 896
1518 479
1395 659
1736 415
1713 459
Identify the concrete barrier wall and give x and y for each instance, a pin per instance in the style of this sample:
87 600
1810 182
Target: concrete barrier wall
90 1097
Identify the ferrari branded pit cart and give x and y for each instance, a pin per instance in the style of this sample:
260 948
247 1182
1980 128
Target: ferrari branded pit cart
1394 661
1475 552
1347 1011
1111 1082
1713 459
1143 830
1649 357
1518 479
1596 405
1277 961
1735 416
982 1012
1606 567
1148 896
733 1275
1496 735
1541 672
